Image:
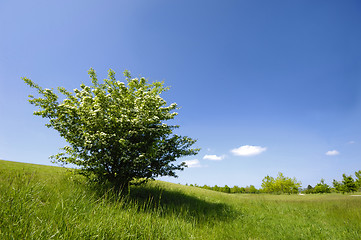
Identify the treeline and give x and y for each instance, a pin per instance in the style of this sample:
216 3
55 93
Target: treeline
346 185
226 189
282 184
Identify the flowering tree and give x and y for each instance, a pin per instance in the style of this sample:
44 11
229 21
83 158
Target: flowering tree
116 131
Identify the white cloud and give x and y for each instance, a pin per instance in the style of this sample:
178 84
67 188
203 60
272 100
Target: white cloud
214 157
248 150
193 163
332 153
351 142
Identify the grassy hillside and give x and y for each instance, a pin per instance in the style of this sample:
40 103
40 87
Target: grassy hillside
43 202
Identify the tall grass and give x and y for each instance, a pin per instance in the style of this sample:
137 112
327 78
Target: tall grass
42 202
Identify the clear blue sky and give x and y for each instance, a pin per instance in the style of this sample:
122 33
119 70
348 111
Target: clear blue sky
279 79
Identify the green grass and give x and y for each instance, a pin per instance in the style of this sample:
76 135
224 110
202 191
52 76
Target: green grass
44 202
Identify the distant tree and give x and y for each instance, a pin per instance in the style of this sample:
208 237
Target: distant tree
268 184
253 189
281 184
322 187
349 183
242 190
309 189
207 187
358 179
226 189
236 189
338 186
116 131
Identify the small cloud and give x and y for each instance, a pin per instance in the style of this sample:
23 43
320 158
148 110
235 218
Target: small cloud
351 142
332 153
214 157
193 163
248 150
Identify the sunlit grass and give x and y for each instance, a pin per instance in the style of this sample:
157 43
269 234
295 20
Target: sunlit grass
43 202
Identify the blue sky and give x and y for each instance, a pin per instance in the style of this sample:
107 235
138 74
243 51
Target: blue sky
277 82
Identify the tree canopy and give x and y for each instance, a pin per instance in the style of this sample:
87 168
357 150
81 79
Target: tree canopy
281 184
322 187
348 184
116 131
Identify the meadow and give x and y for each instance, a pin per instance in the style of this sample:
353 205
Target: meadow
45 202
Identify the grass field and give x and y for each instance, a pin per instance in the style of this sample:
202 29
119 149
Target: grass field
43 202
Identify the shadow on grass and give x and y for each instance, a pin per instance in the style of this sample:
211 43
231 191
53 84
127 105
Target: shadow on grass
174 203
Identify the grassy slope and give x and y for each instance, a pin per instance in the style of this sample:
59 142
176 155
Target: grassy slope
43 202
